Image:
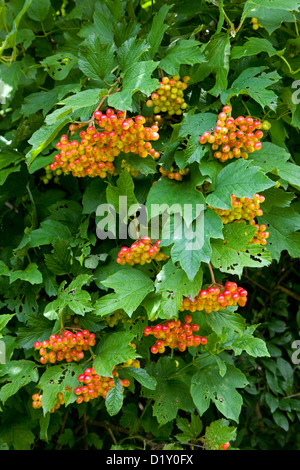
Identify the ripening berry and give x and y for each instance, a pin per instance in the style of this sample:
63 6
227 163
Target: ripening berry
215 298
233 138
174 334
141 252
169 97
67 346
101 143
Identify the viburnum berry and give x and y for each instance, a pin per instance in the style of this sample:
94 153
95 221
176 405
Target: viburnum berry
37 401
245 210
242 208
169 97
216 298
95 385
174 173
101 142
132 171
141 252
175 334
233 138
68 346
225 446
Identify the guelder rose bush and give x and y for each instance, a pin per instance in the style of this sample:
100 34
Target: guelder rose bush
121 117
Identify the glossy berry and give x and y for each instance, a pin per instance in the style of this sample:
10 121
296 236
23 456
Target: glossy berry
225 446
169 97
67 347
140 252
174 173
216 298
95 385
233 138
110 134
175 334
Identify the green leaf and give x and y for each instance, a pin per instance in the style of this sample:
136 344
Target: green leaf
142 376
130 286
229 260
224 319
271 13
114 399
59 379
165 196
4 174
245 341
17 374
240 178
39 9
147 166
44 136
46 234
59 262
124 189
59 65
170 395
216 52
4 319
282 224
281 420
45 100
194 246
254 82
113 349
157 31
96 60
208 386
80 100
190 430
172 283
217 433
130 52
196 124
136 78
254 46
30 274
74 296
183 51
94 195
103 21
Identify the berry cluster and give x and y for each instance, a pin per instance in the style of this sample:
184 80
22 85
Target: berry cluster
102 142
243 208
132 363
169 97
156 119
37 401
175 334
255 24
216 298
233 138
132 171
68 346
95 385
174 173
114 318
141 252
225 446
260 236
246 209
51 174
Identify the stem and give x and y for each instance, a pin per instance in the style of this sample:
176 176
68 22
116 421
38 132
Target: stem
296 25
211 273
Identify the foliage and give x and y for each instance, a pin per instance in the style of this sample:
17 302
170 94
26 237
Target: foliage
61 62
